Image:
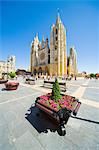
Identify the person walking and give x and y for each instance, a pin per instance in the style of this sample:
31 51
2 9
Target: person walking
75 78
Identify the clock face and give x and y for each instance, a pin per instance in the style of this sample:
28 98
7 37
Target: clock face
42 56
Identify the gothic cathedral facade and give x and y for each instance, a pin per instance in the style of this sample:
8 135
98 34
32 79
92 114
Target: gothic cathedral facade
51 60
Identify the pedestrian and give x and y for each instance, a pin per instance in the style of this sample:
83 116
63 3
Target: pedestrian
75 78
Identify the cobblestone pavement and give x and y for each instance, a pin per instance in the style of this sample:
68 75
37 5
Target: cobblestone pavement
22 129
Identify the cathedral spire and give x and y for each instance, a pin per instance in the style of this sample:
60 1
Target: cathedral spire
43 38
36 35
43 42
58 15
36 38
58 20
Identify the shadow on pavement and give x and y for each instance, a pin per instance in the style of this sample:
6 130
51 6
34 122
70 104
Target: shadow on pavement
40 121
3 89
85 119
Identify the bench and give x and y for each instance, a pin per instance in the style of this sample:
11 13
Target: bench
49 84
30 81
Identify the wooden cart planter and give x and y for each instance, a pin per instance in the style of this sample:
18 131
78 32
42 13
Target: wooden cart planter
67 105
11 85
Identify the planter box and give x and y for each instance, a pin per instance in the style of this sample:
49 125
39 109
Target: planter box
11 85
60 111
3 81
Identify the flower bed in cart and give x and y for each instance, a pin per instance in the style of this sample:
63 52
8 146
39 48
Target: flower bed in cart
58 106
67 101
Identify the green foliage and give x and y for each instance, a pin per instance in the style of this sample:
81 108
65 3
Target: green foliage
56 91
12 74
92 75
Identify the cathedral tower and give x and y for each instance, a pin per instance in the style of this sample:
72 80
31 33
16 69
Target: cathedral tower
58 61
34 52
72 62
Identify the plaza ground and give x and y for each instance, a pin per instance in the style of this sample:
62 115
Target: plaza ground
22 129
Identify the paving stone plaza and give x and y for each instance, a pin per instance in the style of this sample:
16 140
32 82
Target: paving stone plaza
22 129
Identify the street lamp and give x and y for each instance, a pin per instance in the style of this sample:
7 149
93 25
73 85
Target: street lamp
7 67
11 59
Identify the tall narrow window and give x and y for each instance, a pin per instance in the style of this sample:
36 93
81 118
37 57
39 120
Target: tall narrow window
56 31
56 38
48 59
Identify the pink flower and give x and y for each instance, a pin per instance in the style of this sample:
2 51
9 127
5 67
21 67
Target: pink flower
51 101
42 101
65 102
53 105
44 97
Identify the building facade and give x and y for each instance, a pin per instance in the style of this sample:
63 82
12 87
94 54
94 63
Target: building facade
52 60
40 56
7 66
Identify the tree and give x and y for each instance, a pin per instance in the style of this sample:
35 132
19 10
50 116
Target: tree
12 74
92 75
56 91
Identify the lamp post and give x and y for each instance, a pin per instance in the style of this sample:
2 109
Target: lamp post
11 60
7 67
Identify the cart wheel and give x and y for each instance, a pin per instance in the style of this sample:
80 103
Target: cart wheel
61 130
37 114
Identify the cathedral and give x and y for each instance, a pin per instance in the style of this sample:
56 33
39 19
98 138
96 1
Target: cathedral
53 60
7 66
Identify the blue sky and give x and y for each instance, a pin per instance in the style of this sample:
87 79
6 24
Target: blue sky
21 20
